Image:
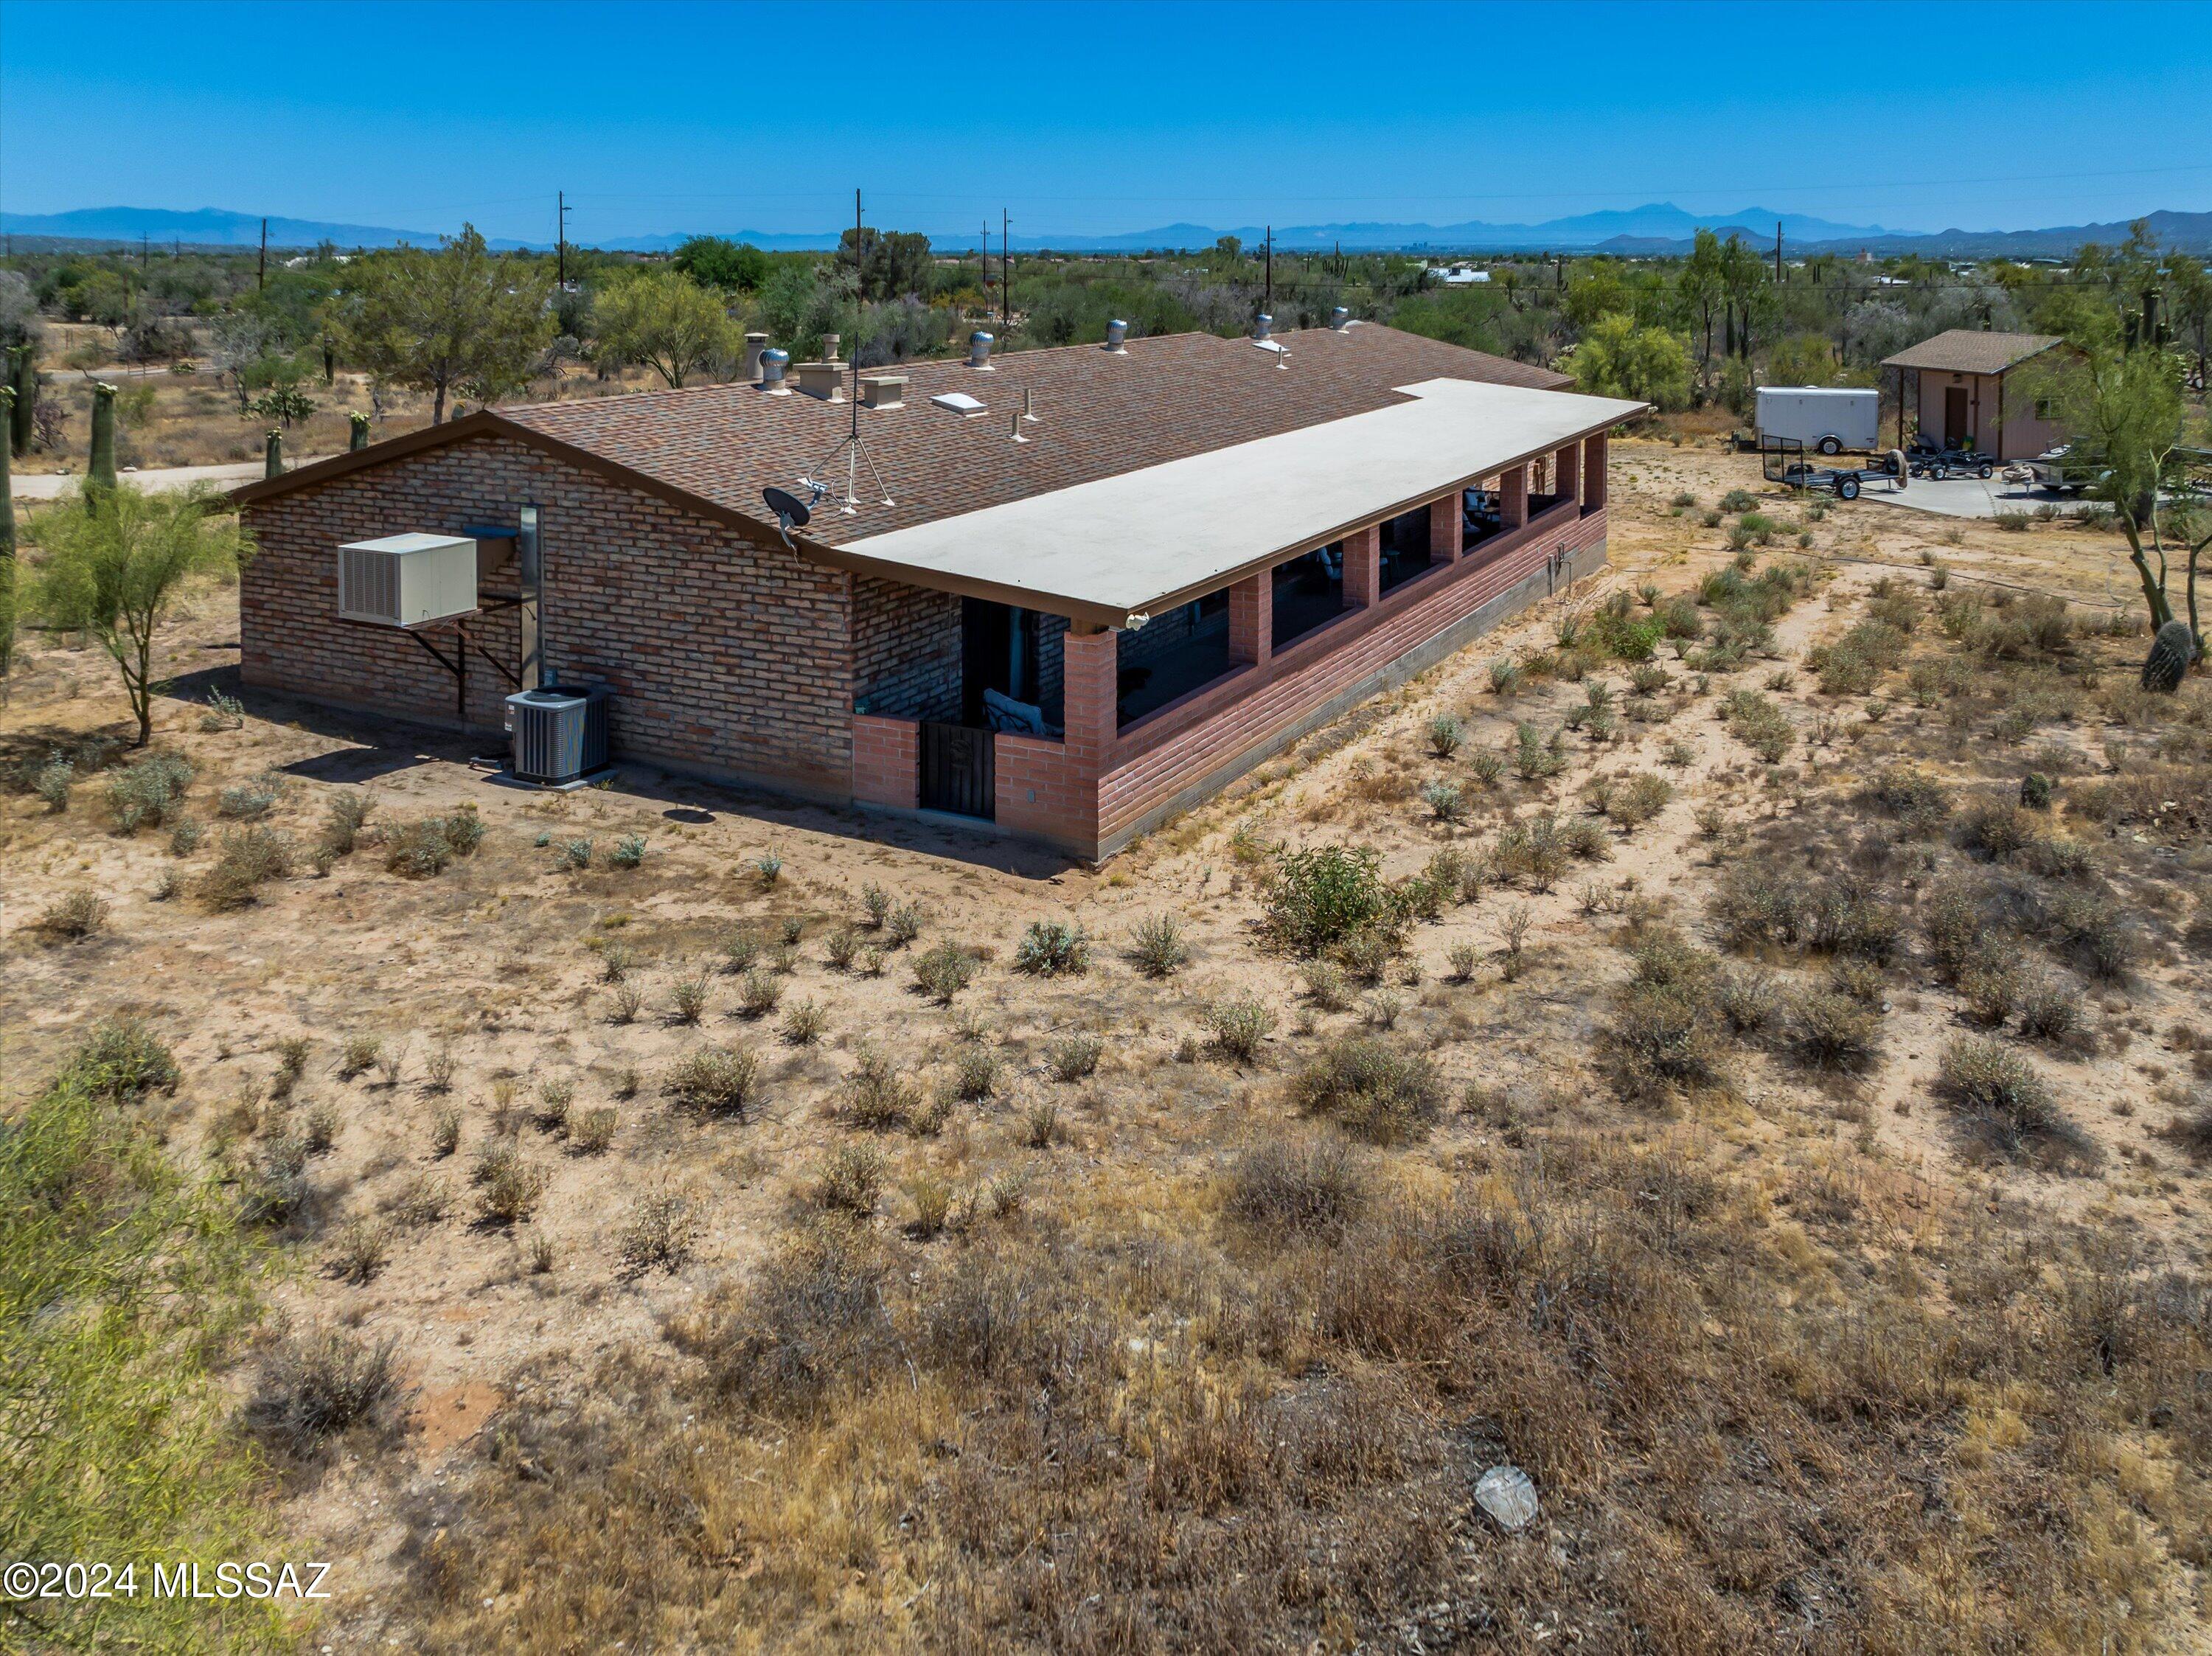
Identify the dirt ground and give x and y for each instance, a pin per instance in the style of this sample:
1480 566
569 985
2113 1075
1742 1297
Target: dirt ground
513 969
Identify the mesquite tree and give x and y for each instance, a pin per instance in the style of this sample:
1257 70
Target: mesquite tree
115 572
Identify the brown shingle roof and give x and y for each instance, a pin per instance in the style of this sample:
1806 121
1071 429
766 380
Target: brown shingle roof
1098 415
1970 350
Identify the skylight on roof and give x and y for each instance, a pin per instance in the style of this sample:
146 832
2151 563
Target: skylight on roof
959 401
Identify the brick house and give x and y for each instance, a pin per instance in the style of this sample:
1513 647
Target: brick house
1074 592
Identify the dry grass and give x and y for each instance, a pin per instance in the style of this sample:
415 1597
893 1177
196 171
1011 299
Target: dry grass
968 1308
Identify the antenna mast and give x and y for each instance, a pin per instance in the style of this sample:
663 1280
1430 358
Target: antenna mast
850 445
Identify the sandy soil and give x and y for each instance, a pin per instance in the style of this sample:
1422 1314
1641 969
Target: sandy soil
502 962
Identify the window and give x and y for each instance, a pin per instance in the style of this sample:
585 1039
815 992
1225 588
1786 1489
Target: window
2043 408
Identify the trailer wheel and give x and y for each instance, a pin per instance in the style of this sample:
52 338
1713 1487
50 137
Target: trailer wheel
1847 488
1831 445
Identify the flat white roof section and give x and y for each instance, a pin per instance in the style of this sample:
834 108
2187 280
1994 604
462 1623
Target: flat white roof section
1140 542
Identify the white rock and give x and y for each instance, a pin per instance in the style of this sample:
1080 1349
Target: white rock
1509 1495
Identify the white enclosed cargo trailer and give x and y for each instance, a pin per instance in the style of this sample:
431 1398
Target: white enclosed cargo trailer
1827 418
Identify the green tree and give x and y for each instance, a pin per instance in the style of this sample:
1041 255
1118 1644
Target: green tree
115 574
1699 292
887 264
2124 411
736 267
457 319
664 319
1616 357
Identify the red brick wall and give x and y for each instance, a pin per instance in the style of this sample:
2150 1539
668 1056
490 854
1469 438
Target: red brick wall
886 762
727 657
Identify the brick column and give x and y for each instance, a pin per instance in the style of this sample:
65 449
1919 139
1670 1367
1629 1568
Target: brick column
1252 618
1444 525
886 762
1512 498
1362 567
1570 472
1090 668
1593 472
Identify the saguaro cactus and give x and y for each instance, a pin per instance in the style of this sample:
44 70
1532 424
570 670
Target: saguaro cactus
273 463
360 438
23 380
100 475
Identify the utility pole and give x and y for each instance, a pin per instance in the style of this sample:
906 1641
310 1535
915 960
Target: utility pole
1005 273
261 275
1777 252
560 236
145 253
1270 268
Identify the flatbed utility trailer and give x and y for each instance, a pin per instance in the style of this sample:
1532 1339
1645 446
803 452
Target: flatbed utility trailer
1782 460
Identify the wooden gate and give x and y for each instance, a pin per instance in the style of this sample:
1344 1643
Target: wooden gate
957 773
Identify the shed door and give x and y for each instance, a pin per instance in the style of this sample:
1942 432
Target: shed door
957 772
1958 424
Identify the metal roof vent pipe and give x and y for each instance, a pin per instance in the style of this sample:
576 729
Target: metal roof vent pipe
979 349
1340 318
1264 326
756 344
1116 331
772 365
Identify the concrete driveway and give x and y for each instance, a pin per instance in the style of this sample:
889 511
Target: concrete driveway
1971 497
50 486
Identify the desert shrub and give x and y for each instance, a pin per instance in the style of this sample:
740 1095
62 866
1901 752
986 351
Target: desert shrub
1746 998
932 1205
877 1096
1758 723
1367 955
1918 800
802 1024
315 1387
977 1072
759 991
1156 946
75 915
1318 896
812 1320
1305 1186
1536 755
1505 676
184 838
875 905
1444 733
120 1060
943 971
591 1131
903 926
1375 1090
1855 663
852 1180
840 948
714 1081
1052 949
344 821
574 854
1842 916
1443 799
359 1249
1997 828
1487 765
142 793
51 782
1238 1025
624 1004
2008 1101
421 1201
1631 800
1324 986
557 1096
662 1230
420 849
628 852
245 860
2050 1009
1533 852
509 1185
2095 933
687 1001
1828 1029
1074 1056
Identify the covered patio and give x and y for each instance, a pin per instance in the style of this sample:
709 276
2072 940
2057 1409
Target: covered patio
1191 613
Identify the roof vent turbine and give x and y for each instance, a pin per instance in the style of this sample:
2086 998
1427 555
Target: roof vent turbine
1264 326
1340 318
772 365
1116 331
979 349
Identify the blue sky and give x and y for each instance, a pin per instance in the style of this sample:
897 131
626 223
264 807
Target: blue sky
1093 119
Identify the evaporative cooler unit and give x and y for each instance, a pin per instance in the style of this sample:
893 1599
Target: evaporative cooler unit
559 732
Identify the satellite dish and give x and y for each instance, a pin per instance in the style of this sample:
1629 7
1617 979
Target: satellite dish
789 509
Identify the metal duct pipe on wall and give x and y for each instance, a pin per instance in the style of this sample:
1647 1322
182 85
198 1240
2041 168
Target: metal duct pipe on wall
529 586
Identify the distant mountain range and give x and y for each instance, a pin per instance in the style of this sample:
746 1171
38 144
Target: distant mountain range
1658 229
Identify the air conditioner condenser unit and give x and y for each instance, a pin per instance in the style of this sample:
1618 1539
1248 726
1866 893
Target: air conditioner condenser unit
561 732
